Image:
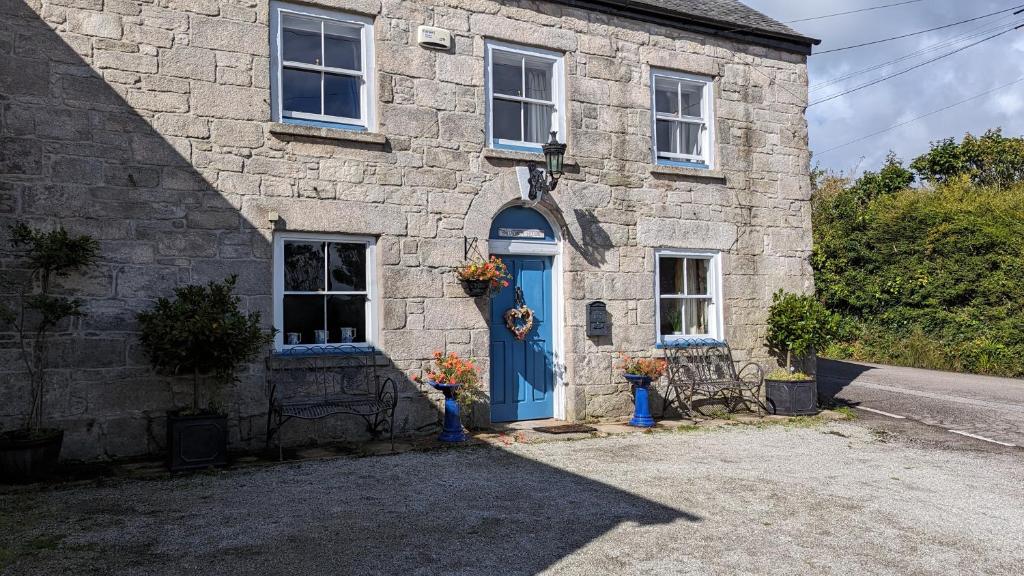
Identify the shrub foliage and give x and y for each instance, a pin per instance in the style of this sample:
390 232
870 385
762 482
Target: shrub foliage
202 331
799 324
931 276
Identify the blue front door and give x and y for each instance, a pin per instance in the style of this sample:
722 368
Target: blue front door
522 372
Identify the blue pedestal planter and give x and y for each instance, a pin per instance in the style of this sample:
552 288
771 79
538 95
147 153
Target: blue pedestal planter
641 405
452 429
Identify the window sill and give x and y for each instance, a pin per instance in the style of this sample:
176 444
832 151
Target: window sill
688 172
695 342
298 130
517 155
367 354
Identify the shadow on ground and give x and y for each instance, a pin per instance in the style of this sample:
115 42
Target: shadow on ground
835 375
470 511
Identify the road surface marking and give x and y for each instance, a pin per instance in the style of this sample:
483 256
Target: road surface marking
976 437
1001 406
897 416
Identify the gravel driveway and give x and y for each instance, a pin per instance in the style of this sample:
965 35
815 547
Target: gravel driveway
836 499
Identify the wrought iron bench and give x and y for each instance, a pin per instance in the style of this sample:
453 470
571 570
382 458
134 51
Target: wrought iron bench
310 384
705 368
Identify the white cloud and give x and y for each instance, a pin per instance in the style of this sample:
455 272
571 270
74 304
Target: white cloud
932 87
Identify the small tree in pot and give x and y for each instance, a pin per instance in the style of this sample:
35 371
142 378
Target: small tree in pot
33 449
201 332
797 326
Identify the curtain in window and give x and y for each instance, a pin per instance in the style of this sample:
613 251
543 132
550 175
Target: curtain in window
538 117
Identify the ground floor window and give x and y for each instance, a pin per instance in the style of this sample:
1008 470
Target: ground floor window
323 290
688 292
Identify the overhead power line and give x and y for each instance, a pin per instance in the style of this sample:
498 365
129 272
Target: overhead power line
824 16
911 34
923 116
949 43
915 67
858 11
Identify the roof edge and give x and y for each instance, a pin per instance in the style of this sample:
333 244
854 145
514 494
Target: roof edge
795 43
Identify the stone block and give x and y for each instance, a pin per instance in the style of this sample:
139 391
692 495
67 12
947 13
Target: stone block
467 129
157 101
234 102
97 24
409 121
21 76
76 170
234 133
126 61
189 62
456 69
221 34
20 156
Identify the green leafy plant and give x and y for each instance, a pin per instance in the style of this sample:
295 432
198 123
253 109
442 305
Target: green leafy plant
989 160
202 332
46 255
930 277
799 324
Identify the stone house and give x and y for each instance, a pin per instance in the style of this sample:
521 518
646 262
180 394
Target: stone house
342 166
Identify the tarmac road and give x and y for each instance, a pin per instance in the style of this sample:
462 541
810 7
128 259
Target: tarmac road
989 409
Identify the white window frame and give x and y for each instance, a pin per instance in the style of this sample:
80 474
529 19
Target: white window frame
716 317
557 90
706 119
367 109
370 292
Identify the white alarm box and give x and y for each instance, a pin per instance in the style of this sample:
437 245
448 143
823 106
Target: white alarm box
436 38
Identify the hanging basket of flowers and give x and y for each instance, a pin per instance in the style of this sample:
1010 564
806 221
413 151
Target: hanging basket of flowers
483 277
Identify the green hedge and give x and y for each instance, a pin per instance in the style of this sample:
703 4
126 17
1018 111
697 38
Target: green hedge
930 277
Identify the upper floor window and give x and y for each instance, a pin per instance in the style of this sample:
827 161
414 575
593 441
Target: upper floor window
683 118
525 97
321 67
689 296
324 290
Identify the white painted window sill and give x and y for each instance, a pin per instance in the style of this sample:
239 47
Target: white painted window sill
689 172
283 129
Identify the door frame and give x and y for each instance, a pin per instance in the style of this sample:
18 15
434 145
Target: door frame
554 249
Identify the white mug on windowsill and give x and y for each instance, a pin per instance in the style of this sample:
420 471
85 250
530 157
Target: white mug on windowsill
321 336
293 338
348 335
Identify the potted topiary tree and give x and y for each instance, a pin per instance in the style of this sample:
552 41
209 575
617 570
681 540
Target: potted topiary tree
32 450
203 333
797 326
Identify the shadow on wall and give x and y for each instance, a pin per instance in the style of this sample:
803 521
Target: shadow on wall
124 157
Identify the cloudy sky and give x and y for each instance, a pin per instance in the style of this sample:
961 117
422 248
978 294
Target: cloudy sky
973 71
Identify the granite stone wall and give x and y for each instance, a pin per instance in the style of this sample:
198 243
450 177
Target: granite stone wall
147 124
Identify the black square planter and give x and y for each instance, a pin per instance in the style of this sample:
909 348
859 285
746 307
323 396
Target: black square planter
196 441
787 398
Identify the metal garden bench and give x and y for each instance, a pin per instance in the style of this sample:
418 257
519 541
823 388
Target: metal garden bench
310 384
705 368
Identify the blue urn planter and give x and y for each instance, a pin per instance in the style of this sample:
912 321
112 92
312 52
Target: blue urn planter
452 429
641 401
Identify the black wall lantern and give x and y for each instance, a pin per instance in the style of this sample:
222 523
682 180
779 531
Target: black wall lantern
554 157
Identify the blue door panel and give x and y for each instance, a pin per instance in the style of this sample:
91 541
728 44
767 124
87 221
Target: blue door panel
522 372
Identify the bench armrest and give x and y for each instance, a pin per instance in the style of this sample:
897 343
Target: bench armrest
387 391
752 372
